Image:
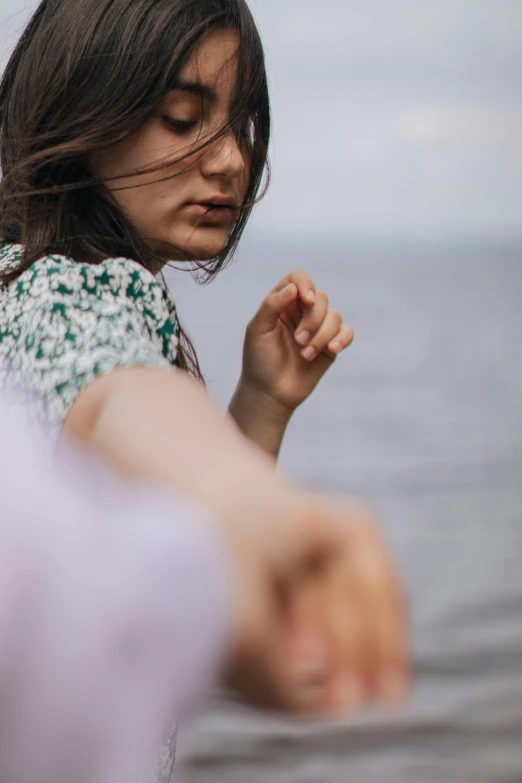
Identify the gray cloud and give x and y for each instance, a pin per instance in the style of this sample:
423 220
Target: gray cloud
396 116
399 117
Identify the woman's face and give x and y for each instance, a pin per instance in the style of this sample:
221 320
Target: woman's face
187 209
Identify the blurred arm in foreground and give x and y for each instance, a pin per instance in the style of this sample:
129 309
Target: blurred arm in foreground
318 588
119 604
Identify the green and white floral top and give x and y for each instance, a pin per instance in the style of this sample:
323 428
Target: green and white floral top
63 323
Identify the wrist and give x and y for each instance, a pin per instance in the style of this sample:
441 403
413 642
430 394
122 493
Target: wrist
261 403
260 417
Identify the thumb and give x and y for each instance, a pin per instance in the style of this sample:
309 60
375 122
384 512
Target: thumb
273 306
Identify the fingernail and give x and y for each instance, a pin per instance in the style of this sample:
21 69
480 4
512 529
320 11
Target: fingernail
336 347
393 687
309 353
311 296
303 338
286 292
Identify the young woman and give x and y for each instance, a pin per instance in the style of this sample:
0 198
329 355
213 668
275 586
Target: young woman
134 133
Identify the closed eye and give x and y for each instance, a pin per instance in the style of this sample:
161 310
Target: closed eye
179 126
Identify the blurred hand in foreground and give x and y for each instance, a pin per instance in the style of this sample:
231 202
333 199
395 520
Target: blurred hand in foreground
321 622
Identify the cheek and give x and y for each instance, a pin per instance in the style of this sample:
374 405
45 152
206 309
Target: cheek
153 206
151 146
113 165
148 198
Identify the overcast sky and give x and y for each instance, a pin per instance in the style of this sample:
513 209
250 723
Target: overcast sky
391 117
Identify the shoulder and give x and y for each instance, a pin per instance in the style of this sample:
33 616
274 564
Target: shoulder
114 274
62 323
119 277
61 296
116 282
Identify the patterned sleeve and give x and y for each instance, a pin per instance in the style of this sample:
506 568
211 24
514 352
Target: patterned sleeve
81 321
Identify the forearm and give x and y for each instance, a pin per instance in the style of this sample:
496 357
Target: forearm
262 420
161 427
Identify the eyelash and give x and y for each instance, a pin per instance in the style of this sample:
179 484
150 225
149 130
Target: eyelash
180 126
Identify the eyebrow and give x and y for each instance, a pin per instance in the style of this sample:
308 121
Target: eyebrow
196 88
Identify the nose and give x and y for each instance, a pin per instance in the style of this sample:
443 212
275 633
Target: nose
224 158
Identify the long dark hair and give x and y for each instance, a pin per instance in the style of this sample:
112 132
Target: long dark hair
86 74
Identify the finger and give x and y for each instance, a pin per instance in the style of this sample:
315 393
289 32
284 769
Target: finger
287 667
305 285
384 608
311 320
287 321
273 305
295 311
309 665
292 316
341 340
327 332
348 639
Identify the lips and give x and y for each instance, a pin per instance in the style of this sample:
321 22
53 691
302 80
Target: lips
218 201
214 211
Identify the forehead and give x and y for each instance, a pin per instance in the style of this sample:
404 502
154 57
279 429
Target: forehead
215 63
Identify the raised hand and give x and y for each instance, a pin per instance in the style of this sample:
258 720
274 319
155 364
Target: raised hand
291 342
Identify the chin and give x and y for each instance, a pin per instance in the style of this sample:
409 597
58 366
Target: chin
202 245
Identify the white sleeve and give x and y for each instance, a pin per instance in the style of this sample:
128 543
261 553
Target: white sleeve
114 614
